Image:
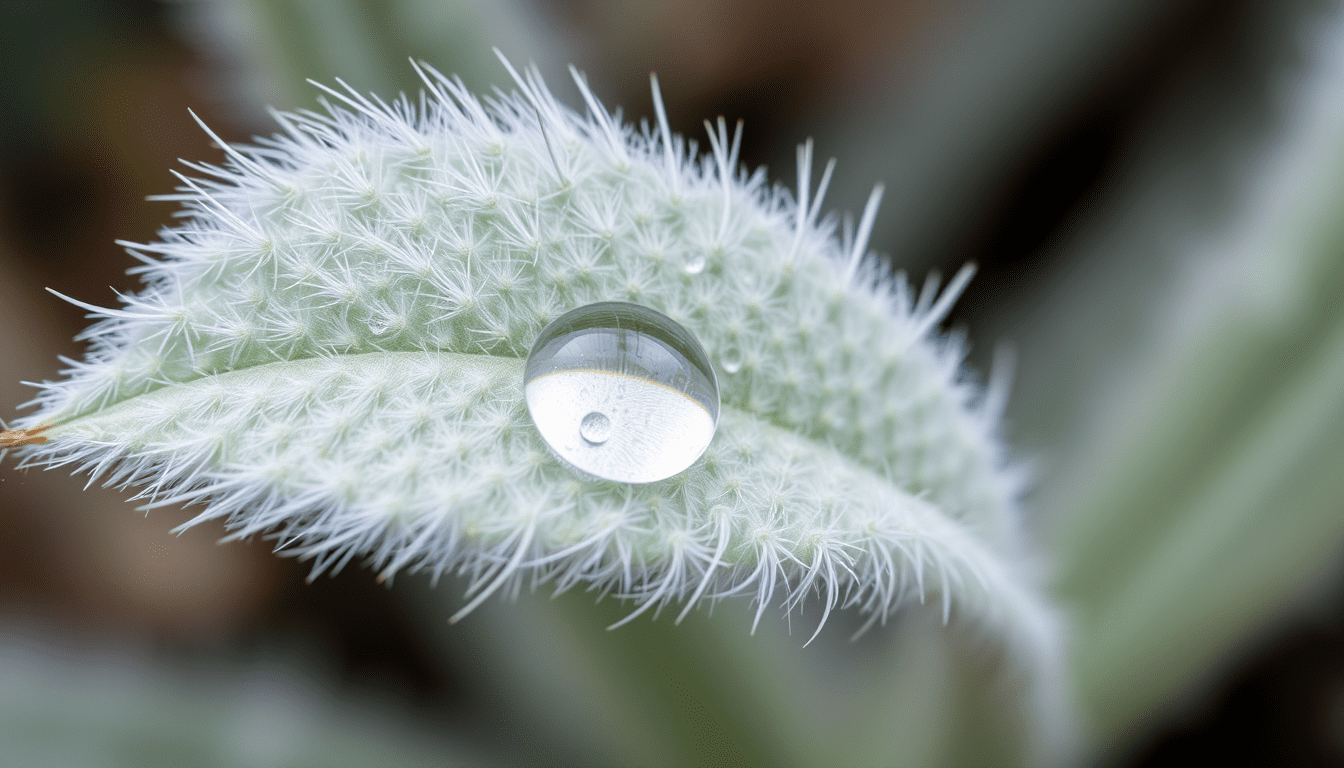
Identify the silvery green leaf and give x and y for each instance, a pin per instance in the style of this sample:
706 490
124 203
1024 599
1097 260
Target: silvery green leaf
329 351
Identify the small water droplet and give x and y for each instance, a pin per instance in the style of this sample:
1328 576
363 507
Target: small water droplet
695 264
595 427
731 358
621 392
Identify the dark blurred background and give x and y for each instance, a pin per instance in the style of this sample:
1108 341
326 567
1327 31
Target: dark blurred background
999 131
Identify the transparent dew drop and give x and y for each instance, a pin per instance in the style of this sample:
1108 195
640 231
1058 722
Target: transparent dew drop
695 264
731 358
621 392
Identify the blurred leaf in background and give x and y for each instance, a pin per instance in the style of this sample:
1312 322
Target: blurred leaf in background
262 53
1198 495
65 705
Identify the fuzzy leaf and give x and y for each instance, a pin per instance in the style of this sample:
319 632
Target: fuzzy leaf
329 351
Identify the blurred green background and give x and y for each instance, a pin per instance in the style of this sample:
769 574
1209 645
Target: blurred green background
1154 192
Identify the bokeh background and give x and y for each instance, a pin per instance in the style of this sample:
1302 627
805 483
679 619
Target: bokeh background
1154 192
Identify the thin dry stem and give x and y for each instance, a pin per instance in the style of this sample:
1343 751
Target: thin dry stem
13 438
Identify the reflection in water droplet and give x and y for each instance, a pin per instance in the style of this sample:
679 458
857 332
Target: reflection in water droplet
621 392
731 358
695 265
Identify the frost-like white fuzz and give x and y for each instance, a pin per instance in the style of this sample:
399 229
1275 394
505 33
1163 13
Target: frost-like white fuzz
329 351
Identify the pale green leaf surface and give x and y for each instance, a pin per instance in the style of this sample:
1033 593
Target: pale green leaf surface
329 351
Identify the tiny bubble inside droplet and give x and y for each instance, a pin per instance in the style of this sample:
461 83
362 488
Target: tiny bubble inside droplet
595 428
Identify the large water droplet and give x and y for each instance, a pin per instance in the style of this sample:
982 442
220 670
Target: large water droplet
621 392
695 264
